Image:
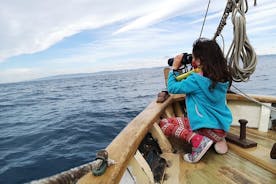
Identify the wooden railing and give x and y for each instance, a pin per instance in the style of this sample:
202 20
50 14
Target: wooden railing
124 146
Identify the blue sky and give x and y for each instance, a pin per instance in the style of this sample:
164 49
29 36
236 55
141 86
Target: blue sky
53 37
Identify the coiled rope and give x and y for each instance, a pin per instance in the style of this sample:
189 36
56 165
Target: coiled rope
240 49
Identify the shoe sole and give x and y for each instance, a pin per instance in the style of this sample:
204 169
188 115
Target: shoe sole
201 154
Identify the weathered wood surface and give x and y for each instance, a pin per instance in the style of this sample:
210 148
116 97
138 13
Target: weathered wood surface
236 97
162 141
214 168
260 98
237 166
230 168
259 155
124 146
141 170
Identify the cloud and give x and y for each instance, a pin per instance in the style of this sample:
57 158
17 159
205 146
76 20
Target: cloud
32 26
160 12
139 31
19 74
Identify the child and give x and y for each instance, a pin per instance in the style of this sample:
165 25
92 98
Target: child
208 115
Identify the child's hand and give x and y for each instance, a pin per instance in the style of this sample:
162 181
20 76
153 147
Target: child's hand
177 61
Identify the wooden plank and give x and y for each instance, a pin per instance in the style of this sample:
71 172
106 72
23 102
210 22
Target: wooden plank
230 168
240 110
169 112
177 109
269 136
178 97
127 178
162 140
124 146
261 98
173 171
264 118
258 155
215 169
166 73
236 97
264 138
258 117
140 170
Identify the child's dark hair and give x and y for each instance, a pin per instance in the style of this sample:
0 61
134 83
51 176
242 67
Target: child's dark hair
214 64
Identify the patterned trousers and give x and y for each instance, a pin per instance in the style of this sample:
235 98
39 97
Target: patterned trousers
176 126
180 127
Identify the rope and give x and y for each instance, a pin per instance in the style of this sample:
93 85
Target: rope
204 19
253 99
224 17
73 175
223 43
240 48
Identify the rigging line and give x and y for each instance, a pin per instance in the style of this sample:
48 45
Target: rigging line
223 43
253 99
204 18
223 19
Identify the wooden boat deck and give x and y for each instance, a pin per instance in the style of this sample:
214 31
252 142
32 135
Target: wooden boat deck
228 168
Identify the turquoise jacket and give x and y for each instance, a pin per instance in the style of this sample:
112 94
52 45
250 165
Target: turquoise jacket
205 108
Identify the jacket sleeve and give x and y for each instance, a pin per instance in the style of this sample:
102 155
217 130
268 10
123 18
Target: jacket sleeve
187 85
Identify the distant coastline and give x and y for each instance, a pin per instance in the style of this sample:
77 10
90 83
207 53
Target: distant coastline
75 75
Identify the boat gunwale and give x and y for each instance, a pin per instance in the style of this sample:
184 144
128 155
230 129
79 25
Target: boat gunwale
237 97
128 140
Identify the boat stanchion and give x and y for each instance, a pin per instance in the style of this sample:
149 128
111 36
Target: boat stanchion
273 127
243 123
241 140
273 152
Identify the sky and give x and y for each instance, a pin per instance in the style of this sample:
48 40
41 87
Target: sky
55 37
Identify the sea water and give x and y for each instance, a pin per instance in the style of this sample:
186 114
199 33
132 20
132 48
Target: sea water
49 126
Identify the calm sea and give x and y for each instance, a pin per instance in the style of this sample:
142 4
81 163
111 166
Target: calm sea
48 126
